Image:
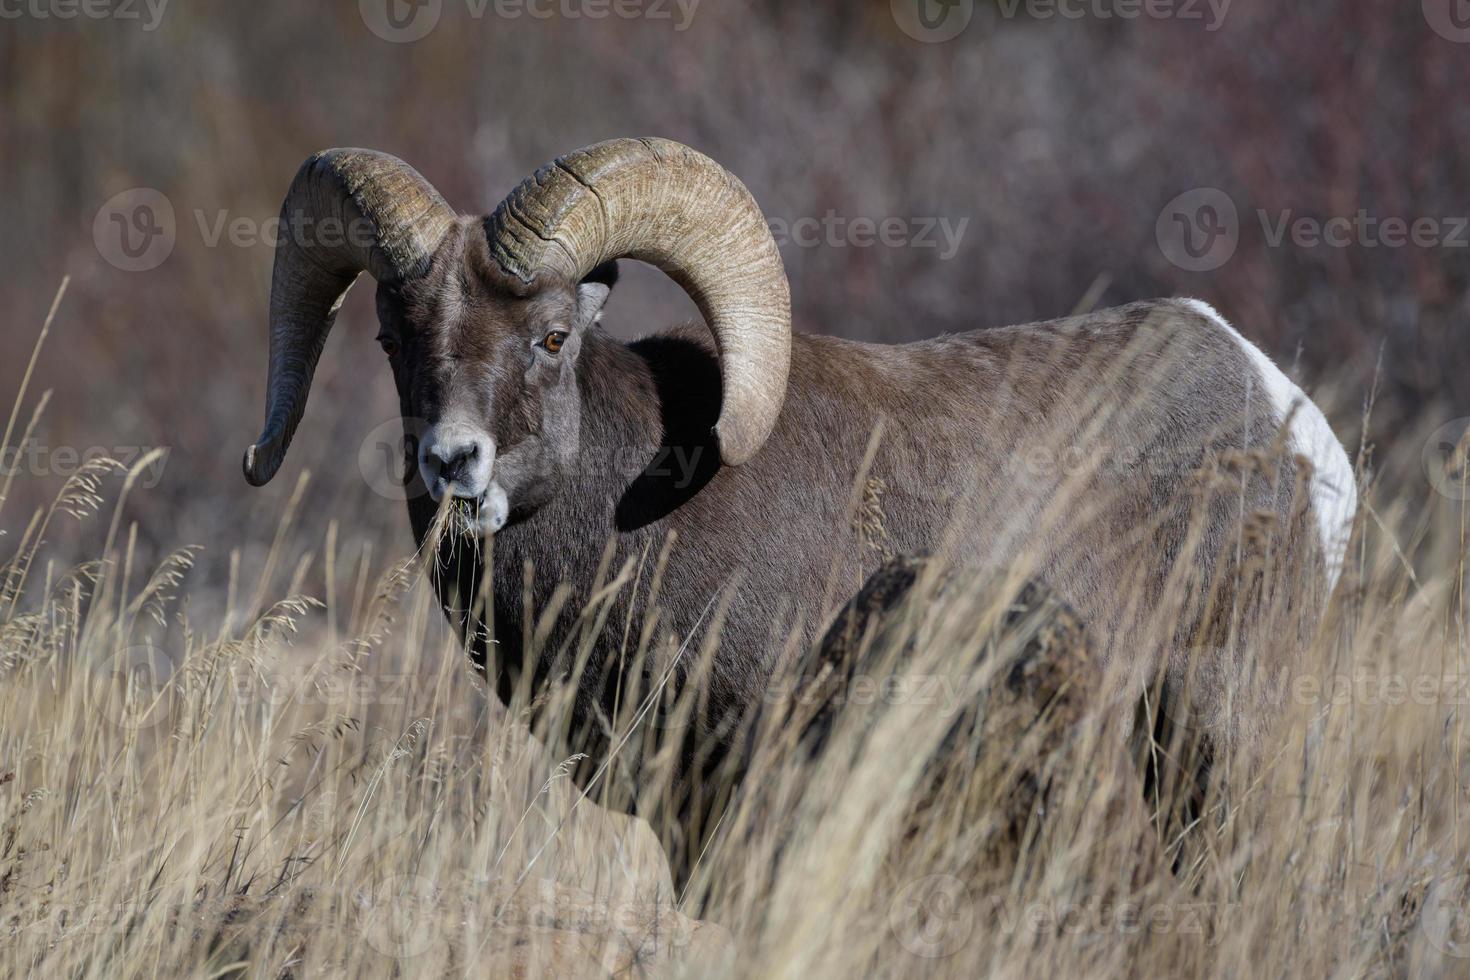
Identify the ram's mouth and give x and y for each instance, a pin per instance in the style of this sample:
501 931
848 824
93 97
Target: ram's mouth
462 518
476 517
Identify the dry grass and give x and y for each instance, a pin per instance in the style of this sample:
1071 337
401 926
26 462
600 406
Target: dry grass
319 784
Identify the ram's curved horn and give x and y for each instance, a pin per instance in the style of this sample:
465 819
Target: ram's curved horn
348 211
674 208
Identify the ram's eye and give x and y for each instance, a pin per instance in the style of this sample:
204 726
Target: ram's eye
554 340
389 345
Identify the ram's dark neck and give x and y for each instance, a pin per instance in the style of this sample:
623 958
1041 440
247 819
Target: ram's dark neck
647 412
620 398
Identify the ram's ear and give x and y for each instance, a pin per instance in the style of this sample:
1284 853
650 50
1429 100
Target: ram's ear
593 291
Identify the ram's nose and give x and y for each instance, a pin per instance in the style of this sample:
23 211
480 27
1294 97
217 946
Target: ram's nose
455 460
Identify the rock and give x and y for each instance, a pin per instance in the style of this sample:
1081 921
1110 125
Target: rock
562 931
544 928
1017 743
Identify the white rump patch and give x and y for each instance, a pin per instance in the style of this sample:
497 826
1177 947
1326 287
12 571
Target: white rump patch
1334 488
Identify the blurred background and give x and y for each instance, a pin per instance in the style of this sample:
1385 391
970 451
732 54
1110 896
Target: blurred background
928 165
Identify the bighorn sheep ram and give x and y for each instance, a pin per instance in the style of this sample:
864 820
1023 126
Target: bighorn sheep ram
1120 451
